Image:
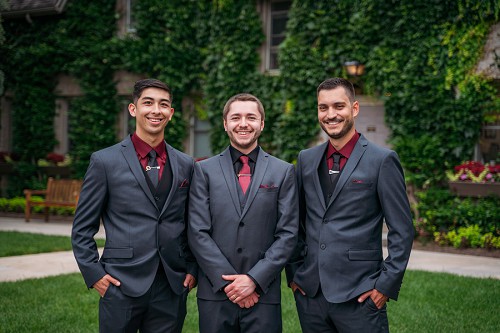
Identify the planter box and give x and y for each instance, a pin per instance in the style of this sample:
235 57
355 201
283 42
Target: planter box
56 171
478 190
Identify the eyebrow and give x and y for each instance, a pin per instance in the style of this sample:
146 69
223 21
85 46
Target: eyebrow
152 99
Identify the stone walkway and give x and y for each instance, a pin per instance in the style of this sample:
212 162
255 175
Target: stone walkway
48 264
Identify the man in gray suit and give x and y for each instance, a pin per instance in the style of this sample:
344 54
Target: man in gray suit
139 189
348 187
243 223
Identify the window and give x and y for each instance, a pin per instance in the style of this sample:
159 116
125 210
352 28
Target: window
130 19
126 123
489 143
199 138
276 31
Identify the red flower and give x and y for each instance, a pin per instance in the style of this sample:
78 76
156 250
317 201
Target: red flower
55 158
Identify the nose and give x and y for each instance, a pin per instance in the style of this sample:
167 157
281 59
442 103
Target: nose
331 113
243 122
156 108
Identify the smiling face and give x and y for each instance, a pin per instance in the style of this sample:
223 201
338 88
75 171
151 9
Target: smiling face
336 115
243 124
152 110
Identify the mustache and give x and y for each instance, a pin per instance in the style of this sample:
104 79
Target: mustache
334 119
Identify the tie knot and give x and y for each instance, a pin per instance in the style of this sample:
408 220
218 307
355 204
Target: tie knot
152 153
336 157
244 159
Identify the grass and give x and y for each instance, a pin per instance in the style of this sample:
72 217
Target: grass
13 243
429 302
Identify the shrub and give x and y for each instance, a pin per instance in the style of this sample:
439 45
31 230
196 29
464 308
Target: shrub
18 204
440 211
467 237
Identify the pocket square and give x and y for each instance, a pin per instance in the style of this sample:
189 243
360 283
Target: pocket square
185 183
357 181
267 186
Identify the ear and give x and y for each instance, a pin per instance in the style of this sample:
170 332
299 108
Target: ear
355 108
225 124
171 114
132 109
262 125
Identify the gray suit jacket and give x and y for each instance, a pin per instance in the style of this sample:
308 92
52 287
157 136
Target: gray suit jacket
138 233
340 244
256 240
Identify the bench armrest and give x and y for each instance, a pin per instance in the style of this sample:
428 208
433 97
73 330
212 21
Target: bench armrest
28 193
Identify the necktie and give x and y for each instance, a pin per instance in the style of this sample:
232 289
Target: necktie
334 164
152 168
244 177
334 169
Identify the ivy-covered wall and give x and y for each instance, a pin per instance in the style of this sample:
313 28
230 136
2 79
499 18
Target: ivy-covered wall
3 4
77 43
419 56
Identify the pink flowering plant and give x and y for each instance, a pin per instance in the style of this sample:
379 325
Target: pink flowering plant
475 172
55 159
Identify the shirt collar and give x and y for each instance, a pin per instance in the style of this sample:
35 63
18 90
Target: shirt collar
235 154
346 150
143 149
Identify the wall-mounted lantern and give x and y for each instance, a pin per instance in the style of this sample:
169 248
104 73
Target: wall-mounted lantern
354 68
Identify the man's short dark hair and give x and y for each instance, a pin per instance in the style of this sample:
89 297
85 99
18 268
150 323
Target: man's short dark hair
333 83
244 97
140 85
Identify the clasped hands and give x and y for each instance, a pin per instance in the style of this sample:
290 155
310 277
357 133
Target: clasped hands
241 290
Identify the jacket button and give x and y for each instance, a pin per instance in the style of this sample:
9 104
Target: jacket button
324 221
242 224
157 198
239 250
322 246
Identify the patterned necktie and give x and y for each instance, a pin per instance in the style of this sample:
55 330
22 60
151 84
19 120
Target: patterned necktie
244 177
152 168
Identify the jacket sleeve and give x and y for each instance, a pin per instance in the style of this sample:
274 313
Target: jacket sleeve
191 264
396 208
300 250
210 258
267 269
86 223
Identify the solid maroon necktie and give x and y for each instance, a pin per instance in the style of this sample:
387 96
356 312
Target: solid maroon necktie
244 177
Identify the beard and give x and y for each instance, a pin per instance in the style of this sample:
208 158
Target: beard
347 126
243 145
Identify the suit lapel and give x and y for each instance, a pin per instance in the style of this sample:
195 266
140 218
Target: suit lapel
320 153
226 165
174 165
258 175
130 155
352 162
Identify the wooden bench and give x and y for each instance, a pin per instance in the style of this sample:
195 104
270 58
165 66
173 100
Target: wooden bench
59 193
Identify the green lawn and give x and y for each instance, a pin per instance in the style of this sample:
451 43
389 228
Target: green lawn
13 243
429 302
